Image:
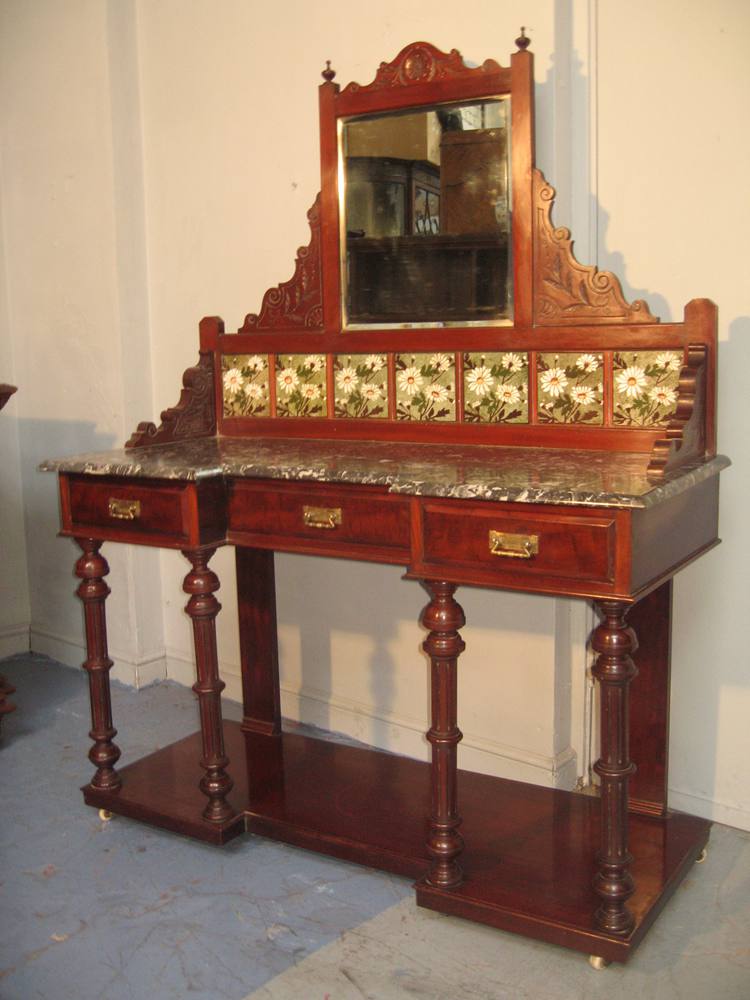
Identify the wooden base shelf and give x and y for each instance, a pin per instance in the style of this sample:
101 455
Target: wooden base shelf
530 852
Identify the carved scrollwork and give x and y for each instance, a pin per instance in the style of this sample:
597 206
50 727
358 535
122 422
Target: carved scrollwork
193 417
685 433
421 62
297 303
566 292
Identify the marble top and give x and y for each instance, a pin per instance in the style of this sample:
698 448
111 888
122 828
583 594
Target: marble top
502 474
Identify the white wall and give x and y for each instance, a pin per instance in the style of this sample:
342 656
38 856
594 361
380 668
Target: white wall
158 161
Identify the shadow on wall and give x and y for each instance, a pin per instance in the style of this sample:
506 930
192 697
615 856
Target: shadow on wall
50 558
372 640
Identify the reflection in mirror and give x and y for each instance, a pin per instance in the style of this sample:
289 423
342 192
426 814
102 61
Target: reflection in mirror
426 216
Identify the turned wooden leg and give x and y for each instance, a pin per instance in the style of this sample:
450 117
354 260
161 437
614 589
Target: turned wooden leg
200 583
443 616
614 669
91 568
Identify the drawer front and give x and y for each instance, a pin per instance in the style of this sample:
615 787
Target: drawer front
308 517
493 542
120 509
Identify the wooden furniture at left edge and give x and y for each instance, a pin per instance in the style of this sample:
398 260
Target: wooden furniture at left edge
6 688
607 511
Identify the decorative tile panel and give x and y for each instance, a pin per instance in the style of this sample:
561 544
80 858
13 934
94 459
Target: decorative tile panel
245 385
569 389
496 388
426 387
300 385
361 385
645 387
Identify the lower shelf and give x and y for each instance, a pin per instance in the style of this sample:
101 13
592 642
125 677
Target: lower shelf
530 851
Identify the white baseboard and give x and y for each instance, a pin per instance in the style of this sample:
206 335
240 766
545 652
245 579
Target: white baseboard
14 639
72 652
717 812
396 733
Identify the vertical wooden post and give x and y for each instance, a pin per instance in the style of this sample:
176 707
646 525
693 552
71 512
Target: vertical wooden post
651 620
443 616
614 669
256 601
91 568
200 583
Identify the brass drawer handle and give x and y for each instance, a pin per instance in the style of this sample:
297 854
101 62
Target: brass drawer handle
321 517
502 543
124 510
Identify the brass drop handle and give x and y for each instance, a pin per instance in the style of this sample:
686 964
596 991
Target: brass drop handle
503 543
321 517
124 510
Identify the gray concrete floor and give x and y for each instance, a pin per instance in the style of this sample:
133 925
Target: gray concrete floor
119 911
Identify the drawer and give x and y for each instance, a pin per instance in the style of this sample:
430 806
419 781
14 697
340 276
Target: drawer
498 542
158 512
310 517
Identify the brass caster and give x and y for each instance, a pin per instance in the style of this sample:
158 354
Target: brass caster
597 962
702 856
105 815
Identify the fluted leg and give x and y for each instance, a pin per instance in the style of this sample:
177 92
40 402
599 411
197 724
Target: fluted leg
443 616
200 583
614 669
91 568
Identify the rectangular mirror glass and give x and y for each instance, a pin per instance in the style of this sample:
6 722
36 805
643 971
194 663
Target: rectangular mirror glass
426 216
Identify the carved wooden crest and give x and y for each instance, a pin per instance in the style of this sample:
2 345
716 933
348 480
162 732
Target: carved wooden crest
421 62
193 417
297 303
566 292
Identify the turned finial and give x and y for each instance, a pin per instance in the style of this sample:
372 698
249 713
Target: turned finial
328 73
522 41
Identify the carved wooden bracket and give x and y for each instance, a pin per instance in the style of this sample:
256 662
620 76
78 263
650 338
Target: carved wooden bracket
298 302
421 62
566 292
193 417
686 436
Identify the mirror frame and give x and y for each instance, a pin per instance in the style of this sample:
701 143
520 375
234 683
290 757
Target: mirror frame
422 76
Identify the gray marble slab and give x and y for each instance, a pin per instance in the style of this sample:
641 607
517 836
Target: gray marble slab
502 474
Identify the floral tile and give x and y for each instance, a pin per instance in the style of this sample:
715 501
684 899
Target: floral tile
645 387
569 389
496 388
245 385
361 385
426 387
300 385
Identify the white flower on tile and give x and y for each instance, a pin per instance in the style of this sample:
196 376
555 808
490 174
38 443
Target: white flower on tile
311 391
480 380
509 393
631 382
512 362
441 362
256 363
663 395
372 392
288 380
347 380
315 362
587 363
583 394
233 380
374 362
409 380
253 390
669 360
437 393
553 382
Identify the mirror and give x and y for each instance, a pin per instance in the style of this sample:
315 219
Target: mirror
426 216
